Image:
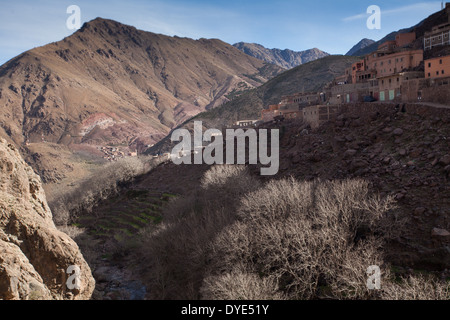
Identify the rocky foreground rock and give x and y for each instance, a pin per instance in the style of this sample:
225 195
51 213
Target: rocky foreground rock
34 256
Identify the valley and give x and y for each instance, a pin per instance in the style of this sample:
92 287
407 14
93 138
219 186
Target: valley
358 149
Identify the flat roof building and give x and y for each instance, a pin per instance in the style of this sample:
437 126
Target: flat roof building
437 67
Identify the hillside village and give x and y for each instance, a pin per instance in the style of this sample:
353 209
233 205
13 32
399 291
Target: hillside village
400 71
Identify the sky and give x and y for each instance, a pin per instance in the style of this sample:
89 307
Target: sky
330 25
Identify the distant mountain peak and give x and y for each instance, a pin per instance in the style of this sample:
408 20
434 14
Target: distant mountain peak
360 45
284 58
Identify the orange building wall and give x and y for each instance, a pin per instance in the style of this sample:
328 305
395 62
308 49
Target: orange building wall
396 62
404 39
356 67
435 69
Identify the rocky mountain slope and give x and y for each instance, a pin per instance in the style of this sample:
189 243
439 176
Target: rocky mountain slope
284 58
34 255
111 84
310 77
360 46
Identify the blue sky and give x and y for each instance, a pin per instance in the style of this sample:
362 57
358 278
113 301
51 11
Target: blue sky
330 25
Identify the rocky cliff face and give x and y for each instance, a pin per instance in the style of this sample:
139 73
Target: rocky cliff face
34 255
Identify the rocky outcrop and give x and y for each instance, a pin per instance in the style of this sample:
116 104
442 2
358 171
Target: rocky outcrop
34 255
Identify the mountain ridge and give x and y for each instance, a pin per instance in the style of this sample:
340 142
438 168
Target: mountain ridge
112 84
286 58
360 46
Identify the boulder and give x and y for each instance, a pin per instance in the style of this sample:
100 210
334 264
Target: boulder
440 233
34 255
419 211
350 153
397 132
445 160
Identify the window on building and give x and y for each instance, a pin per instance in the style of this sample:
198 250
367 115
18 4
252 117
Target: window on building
443 72
440 61
429 64
437 72
398 79
429 74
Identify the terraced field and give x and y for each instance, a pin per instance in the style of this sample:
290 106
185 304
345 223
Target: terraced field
111 232
124 216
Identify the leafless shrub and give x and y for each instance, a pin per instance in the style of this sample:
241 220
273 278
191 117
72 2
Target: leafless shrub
417 287
72 231
240 285
175 252
315 239
228 178
285 240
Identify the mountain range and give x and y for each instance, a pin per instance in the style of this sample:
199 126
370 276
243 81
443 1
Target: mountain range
121 81
112 84
287 59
